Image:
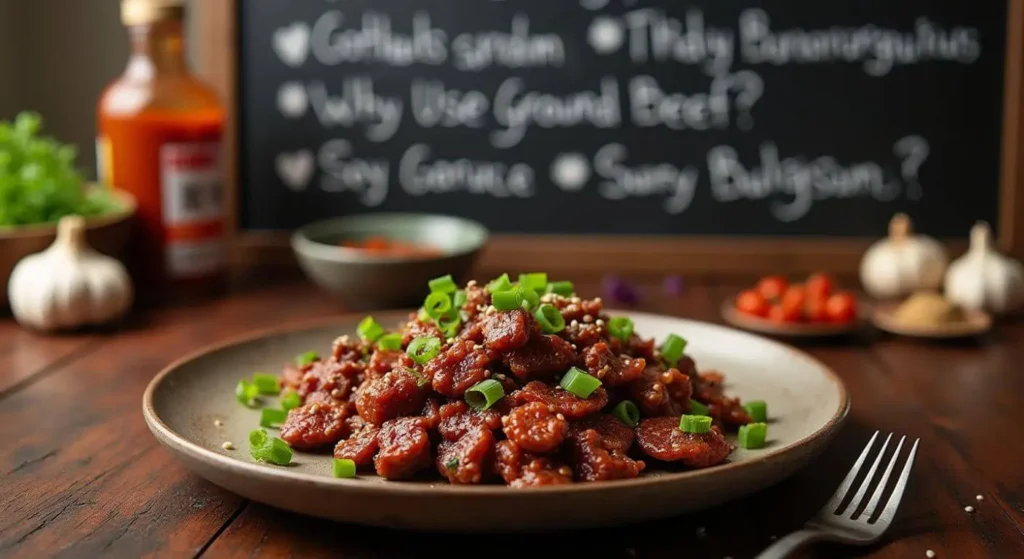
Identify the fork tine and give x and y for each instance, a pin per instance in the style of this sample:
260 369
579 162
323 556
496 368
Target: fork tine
889 511
864 485
877 496
837 497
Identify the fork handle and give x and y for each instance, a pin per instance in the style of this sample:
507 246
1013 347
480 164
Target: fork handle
787 545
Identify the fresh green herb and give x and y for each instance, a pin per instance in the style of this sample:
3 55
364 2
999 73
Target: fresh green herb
530 299
290 400
344 468
537 281
271 450
757 410
697 408
696 424
246 393
437 304
484 394
369 330
270 417
563 288
452 463
550 319
753 435
423 349
266 384
508 299
621 327
579 382
672 349
390 342
501 283
38 179
304 359
444 284
627 412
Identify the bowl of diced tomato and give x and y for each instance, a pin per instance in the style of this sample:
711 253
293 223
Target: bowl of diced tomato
814 306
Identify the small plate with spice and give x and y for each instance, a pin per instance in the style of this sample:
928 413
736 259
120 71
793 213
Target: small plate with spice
930 315
774 306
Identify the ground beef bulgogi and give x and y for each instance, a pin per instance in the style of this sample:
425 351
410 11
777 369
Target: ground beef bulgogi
403 419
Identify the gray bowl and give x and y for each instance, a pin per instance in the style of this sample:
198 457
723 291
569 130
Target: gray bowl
363 281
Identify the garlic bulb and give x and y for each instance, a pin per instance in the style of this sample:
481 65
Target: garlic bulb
983 279
902 263
69 284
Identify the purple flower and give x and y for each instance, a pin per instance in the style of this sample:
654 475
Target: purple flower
673 285
618 290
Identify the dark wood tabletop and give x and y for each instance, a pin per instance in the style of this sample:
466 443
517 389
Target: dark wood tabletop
83 477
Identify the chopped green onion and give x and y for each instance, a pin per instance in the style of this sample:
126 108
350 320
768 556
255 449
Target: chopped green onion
459 299
563 288
270 417
672 349
753 435
344 468
550 319
530 299
437 304
507 300
501 283
627 412
266 384
757 410
536 281
422 315
449 325
452 463
274 451
369 330
484 394
390 342
621 327
579 382
444 284
697 408
306 358
290 400
257 438
695 424
423 349
246 392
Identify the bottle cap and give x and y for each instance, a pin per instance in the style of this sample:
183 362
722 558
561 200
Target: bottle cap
143 12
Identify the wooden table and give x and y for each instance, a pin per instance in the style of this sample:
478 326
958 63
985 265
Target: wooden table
83 477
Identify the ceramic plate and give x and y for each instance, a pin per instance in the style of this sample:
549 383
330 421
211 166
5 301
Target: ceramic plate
795 330
977 323
191 408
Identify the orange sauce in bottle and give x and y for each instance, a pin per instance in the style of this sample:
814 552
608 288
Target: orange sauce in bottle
159 138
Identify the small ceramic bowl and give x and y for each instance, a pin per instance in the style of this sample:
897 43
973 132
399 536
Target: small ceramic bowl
363 280
107 233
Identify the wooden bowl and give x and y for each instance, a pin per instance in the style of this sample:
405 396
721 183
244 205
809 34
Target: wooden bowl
107 233
791 330
977 322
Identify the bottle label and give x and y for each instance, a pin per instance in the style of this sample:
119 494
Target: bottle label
193 208
104 162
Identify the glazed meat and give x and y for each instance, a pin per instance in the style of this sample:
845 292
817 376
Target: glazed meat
483 396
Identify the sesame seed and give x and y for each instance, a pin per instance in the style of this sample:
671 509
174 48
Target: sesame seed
471 283
219 423
504 420
979 497
336 393
587 318
574 324
929 553
598 300
599 322
969 508
560 417
228 446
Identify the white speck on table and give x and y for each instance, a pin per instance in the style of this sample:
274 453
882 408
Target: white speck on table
218 423
969 508
929 553
979 497
228 446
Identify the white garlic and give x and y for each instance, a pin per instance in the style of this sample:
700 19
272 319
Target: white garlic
69 284
983 279
902 263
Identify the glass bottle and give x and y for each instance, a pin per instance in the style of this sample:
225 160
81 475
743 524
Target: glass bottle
159 138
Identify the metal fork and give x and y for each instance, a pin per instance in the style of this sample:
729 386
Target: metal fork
847 524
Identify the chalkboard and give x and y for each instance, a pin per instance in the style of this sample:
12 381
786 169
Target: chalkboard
654 117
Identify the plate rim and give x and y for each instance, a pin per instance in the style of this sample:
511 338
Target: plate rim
169 437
